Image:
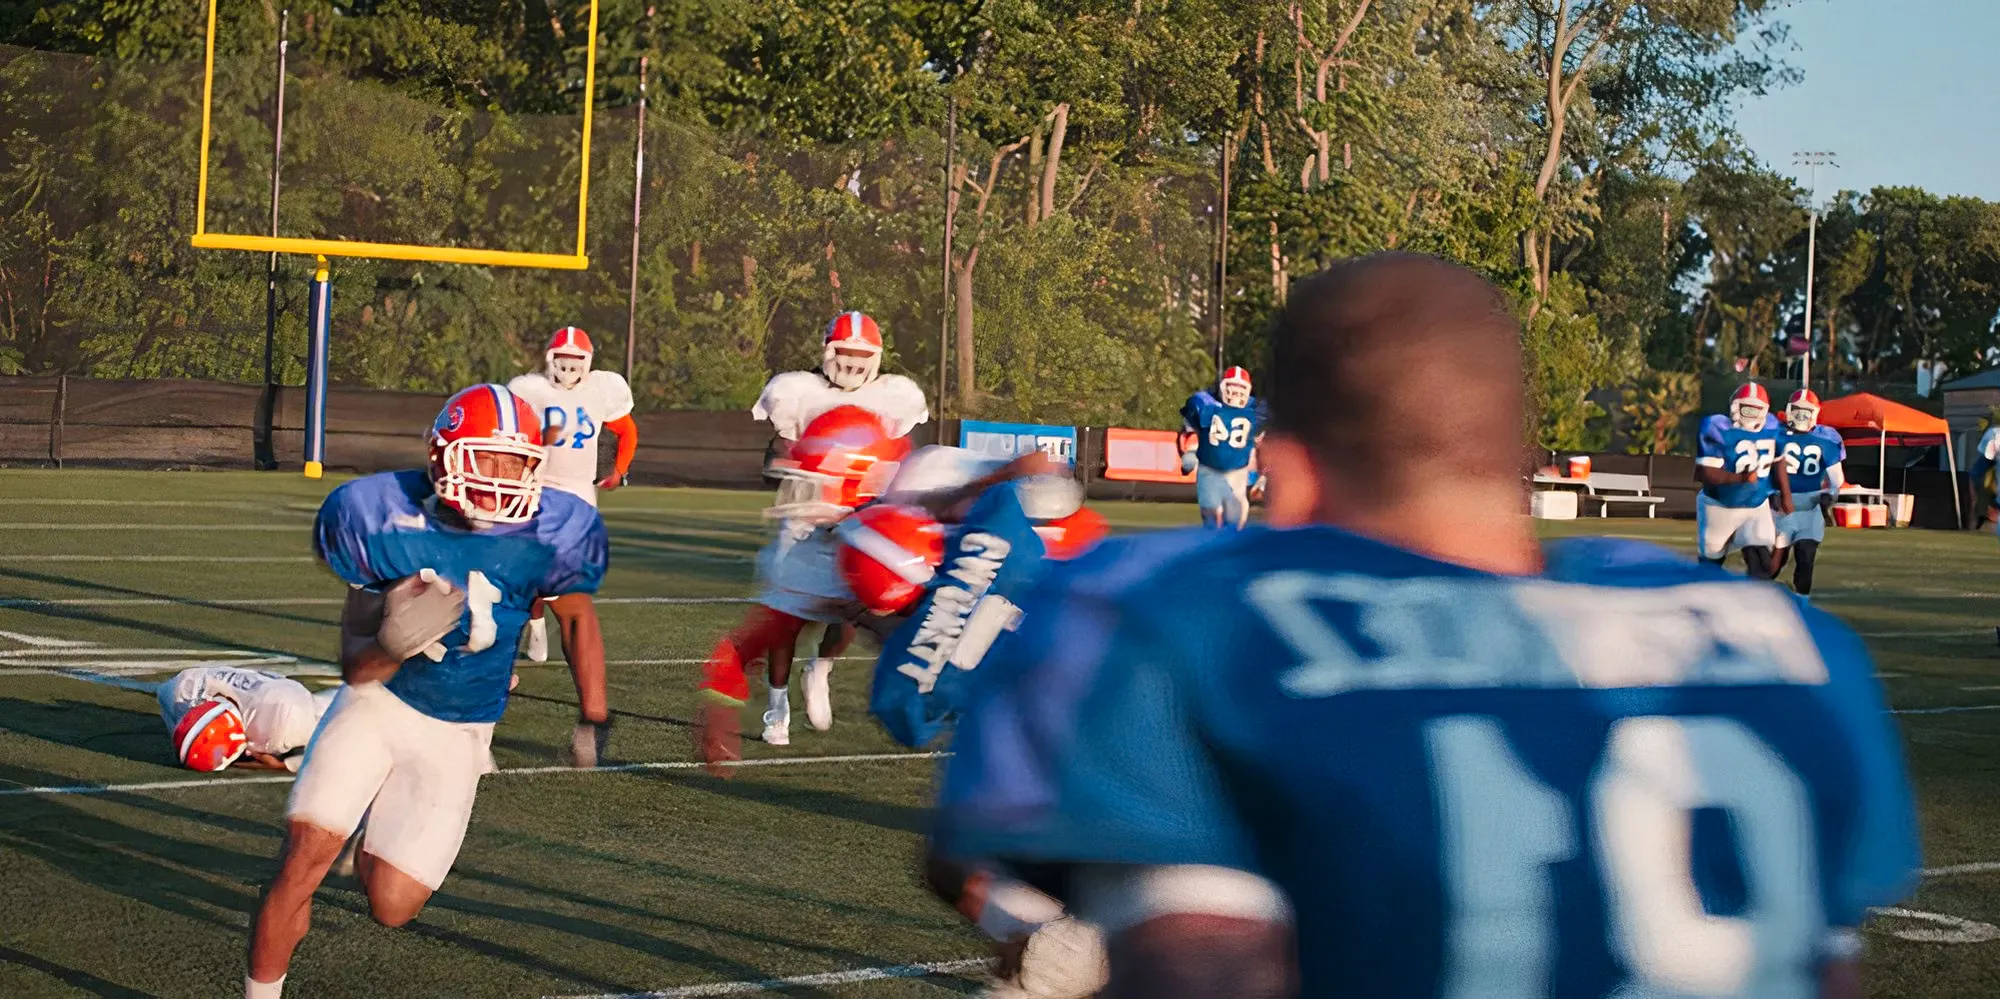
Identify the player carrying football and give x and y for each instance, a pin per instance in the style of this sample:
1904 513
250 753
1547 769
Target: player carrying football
850 374
1391 748
1225 432
444 566
1733 511
577 406
1812 456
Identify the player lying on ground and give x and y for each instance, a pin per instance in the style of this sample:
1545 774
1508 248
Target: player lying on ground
1224 429
443 566
850 374
1812 455
577 406
1390 749
1733 511
219 716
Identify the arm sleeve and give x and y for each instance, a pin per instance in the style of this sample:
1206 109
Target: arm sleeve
1708 451
911 409
1881 863
580 561
1989 446
628 443
1081 747
341 541
615 394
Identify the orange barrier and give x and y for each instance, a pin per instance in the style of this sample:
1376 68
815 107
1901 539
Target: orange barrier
1142 456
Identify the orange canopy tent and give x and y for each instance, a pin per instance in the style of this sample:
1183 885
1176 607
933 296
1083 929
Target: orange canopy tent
1864 419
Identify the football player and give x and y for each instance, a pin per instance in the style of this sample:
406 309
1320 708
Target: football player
950 587
1389 749
443 566
1733 511
850 374
577 406
1812 456
219 716
1218 444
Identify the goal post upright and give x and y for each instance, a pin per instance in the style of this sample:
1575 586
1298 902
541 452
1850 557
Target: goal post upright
319 305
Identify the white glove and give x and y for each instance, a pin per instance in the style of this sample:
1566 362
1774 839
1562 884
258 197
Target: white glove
416 613
1187 462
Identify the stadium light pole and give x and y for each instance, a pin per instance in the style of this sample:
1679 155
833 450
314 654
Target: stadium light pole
950 218
1812 161
638 197
266 456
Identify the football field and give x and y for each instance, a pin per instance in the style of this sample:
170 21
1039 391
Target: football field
123 875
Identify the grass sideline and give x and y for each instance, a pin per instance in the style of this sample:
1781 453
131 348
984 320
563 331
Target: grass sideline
793 877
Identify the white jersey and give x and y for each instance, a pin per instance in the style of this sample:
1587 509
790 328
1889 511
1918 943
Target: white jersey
794 399
278 713
572 421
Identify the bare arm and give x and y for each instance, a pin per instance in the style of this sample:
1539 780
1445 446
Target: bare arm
362 658
583 647
1186 954
1784 488
1717 475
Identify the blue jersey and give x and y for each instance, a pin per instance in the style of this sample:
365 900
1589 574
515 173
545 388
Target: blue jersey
380 528
925 670
1464 784
1726 445
1808 455
1228 433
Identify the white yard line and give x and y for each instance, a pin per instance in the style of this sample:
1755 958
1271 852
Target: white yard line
800 981
43 641
1950 870
619 768
1951 710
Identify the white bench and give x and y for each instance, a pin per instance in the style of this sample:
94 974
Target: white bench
1610 487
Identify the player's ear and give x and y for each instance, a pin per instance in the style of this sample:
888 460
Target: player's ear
1293 497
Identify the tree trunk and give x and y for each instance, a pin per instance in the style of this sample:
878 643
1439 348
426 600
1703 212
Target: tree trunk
962 294
1034 168
1058 128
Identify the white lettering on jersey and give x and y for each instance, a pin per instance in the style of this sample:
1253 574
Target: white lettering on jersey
573 421
1470 633
792 400
953 611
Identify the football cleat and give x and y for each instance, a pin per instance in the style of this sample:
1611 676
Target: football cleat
852 355
210 736
486 455
568 357
1802 411
819 694
1235 387
888 554
778 724
844 459
1750 406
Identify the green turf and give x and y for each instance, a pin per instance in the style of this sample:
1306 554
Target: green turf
576 883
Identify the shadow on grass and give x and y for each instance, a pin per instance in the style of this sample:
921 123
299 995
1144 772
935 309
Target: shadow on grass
82 981
134 735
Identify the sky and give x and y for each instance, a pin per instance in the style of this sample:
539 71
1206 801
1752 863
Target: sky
1904 92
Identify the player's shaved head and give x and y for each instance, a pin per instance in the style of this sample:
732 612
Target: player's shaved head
1401 373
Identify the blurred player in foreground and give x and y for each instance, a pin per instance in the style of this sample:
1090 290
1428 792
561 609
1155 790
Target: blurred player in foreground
577 406
1225 428
1388 750
941 574
1812 455
443 566
850 374
1734 510
219 716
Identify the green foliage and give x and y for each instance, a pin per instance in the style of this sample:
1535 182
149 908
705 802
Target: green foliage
1567 359
1655 407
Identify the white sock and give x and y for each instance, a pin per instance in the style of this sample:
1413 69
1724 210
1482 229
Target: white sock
781 700
254 989
822 662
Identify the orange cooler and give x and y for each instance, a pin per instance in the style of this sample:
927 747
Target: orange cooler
1579 466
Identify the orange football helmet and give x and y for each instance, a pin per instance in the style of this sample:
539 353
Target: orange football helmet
844 459
210 736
